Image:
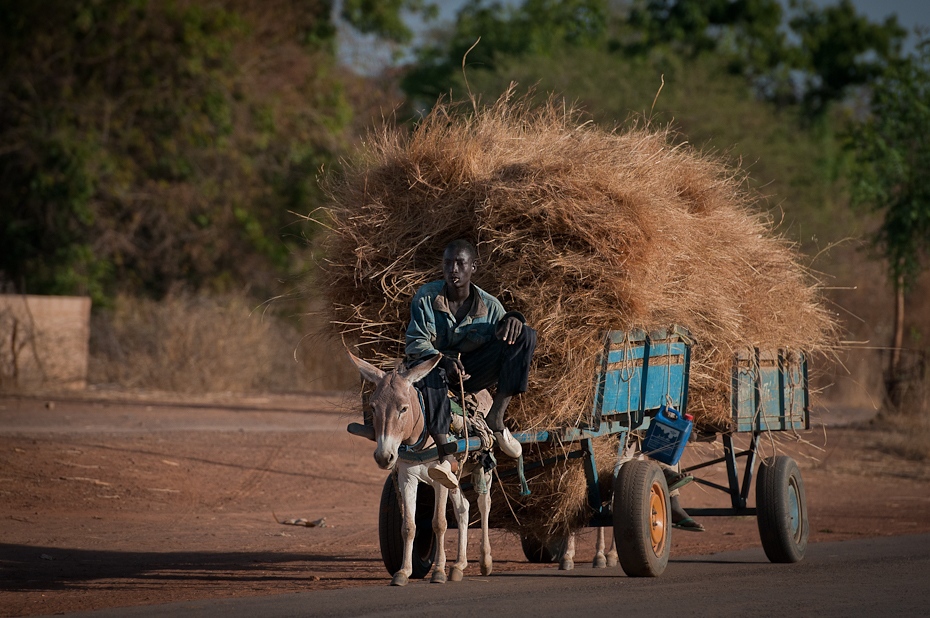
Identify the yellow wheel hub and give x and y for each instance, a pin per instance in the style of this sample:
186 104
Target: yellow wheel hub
657 518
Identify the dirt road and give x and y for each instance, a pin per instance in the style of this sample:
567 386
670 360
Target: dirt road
109 503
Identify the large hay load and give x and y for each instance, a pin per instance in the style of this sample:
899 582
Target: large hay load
581 230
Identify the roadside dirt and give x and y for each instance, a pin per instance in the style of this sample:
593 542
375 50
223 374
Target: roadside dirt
110 502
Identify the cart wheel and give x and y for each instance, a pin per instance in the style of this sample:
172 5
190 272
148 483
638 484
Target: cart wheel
542 552
781 508
642 519
390 525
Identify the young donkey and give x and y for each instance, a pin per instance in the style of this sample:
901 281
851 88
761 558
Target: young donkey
398 419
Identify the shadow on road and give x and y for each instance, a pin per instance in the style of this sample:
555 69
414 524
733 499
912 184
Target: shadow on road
711 560
35 568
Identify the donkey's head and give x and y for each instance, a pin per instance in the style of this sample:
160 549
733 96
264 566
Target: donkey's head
395 407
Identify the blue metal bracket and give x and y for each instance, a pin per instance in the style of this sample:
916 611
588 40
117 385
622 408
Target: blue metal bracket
732 473
590 473
738 492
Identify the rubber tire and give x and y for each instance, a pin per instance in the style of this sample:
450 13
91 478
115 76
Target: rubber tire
542 552
781 510
632 513
390 526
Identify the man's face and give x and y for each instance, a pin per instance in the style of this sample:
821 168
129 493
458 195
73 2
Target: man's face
457 268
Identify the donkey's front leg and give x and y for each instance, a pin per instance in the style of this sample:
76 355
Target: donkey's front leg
460 507
439 529
484 507
407 485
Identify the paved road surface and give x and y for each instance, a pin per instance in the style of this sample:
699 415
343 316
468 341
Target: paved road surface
872 577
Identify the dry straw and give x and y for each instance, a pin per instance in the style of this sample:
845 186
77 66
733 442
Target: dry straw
579 228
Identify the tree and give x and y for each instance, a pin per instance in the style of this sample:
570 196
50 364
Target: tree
384 17
535 27
890 176
151 144
839 49
825 52
747 32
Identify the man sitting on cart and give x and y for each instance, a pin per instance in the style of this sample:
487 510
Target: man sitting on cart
481 346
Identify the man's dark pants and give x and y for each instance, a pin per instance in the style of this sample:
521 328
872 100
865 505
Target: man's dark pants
496 362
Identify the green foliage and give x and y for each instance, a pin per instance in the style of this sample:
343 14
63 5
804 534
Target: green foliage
892 163
385 17
148 144
535 27
747 33
836 48
840 48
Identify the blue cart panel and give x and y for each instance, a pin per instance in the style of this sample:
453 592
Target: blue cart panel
770 391
640 372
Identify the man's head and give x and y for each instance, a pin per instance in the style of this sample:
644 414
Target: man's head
459 263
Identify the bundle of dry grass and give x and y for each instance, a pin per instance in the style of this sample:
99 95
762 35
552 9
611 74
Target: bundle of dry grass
580 229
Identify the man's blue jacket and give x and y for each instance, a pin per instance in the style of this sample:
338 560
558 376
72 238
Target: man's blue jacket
433 329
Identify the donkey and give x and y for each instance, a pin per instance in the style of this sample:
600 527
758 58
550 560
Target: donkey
398 419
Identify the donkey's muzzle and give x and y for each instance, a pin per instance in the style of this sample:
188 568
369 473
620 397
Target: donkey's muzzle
385 459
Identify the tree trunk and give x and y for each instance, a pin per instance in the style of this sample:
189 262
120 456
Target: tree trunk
893 382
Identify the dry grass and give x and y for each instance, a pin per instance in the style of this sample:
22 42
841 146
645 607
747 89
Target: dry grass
579 228
19 342
911 443
198 344
906 431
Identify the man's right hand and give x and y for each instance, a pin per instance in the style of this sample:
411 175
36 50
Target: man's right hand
454 369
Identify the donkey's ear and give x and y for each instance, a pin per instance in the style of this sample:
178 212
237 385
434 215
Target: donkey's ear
368 371
419 372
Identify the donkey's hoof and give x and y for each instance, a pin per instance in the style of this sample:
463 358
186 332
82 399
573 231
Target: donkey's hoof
600 562
487 568
566 565
399 579
438 577
455 574
612 559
